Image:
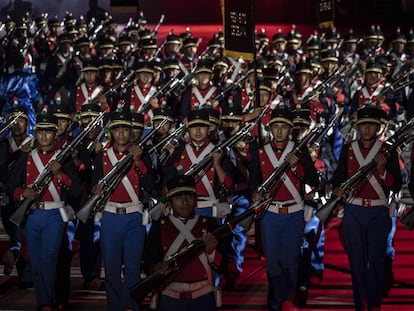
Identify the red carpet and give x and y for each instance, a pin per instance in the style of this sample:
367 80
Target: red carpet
334 292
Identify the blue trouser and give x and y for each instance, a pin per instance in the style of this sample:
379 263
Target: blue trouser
236 242
44 233
123 238
312 251
202 303
366 230
282 237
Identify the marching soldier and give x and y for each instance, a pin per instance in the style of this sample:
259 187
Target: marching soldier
45 226
192 287
283 223
200 95
11 148
122 231
217 181
366 220
89 89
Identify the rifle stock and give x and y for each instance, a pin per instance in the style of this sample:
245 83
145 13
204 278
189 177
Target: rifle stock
19 216
408 219
325 212
84 213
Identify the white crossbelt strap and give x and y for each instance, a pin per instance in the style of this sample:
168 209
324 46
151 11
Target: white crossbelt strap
143 99
95 93
185 233
195 159
276 163
125 181
40 167
203 100
375 93
183 68
12 143
363 161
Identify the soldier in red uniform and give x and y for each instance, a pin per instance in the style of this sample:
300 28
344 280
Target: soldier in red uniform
366 220
191 288
199 95
12 147
89 89
122 231
143 90
217 182
283 222
45 225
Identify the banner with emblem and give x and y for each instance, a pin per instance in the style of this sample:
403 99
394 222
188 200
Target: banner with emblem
326 13
238 25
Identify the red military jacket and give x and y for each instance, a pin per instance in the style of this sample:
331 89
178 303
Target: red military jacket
84 94
195 271
186 162
267 166
367 191
200 98
32 173
120 194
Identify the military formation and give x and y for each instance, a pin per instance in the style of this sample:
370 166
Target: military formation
136 146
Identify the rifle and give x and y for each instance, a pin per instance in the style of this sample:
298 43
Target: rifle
168 139
13 121
20 215
186 255
229 88
111 180
199 169
351 186
146 106
154 32
320 140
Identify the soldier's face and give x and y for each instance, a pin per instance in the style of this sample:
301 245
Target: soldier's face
20 127
90 76
368 130
203 78
199 133
45 138
145 77
121 135
164 129
230 127
63 125
329 67
264 97
280 131
183 204
135 135
372 78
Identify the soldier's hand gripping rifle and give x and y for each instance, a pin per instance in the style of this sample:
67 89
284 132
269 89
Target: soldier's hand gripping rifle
228 88
111 180
183 257
199 169
160 93
19 216
354 183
